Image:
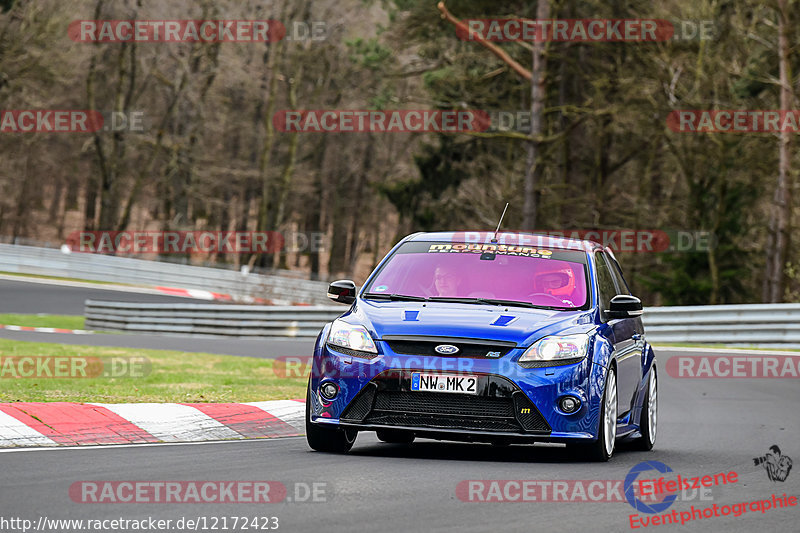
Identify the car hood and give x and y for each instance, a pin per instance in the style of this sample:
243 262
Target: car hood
477 321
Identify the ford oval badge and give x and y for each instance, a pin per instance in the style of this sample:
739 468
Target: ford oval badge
446 349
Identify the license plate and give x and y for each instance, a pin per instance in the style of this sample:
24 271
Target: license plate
444 383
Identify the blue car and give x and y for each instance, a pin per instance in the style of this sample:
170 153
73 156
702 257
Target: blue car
486 337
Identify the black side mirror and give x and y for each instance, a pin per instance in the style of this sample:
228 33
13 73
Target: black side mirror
342 291
624 306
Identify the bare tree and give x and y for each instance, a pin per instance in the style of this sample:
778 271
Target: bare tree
780 221
532 168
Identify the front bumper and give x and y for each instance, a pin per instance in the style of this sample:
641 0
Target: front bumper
499 407
513 403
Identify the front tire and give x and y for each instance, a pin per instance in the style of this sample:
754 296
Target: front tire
324 439
602 449
648 423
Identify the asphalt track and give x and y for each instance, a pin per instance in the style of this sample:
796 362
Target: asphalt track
706 426
45 296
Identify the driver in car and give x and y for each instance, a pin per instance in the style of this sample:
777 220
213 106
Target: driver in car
556 283
446 281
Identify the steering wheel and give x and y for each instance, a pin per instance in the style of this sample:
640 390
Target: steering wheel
423 290
555 299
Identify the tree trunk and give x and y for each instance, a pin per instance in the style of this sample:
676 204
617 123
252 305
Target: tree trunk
339 180
315 217
92 183
532 169
780 222
278 212
111 160
357 246
55 204
720 191
275 49
23 202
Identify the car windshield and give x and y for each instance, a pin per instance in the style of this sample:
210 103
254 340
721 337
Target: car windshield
483 273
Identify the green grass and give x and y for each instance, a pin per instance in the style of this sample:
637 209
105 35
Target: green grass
42 321
172 377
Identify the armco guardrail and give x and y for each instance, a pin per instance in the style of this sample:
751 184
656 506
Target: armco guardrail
729 324
209 319
96 267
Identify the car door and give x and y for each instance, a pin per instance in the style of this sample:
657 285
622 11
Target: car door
636 370
625 333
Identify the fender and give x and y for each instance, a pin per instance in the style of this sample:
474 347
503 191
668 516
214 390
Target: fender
602 360
318 354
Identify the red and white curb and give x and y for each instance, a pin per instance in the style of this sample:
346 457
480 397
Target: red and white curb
195 293
46 330
200 294
26 424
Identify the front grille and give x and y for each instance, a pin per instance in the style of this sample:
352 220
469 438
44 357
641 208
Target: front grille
442 422
501 407
426 346
527 415
444 404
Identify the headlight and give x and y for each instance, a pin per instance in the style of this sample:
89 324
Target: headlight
350 336
557 348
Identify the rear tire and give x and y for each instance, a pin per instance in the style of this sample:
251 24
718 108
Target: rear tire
393 436
324 439
602 449
648 423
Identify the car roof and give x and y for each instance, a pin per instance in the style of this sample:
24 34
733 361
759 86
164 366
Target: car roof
511 238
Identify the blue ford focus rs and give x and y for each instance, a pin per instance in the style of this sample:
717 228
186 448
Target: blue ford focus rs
486 337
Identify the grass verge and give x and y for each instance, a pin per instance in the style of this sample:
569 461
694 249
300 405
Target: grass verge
42 321
158 376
